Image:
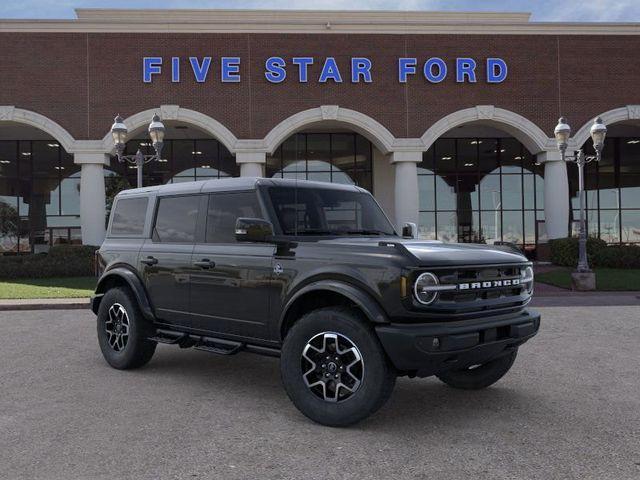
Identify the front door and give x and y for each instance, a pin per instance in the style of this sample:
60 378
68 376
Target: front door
230 282
165 259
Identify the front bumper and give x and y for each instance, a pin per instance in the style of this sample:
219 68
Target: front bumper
429 348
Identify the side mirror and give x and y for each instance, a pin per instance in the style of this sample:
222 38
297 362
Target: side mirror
409 230
253 230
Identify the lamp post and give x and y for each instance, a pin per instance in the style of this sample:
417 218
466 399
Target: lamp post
562 133
119 133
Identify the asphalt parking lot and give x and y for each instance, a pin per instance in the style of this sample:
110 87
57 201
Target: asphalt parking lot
570 408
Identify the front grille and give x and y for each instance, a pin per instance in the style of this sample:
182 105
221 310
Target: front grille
483 292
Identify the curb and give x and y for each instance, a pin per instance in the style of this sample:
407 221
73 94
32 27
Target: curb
44 304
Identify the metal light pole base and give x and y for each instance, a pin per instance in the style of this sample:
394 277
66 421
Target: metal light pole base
583 281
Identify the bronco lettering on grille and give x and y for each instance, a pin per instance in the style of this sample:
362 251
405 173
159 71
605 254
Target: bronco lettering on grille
508 282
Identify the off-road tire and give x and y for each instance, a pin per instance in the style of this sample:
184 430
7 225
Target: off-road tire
137 350
377 379
481 376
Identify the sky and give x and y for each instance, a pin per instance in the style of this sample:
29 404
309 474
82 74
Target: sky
542 10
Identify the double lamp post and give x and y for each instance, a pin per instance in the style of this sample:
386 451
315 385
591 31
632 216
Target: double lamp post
562 133
119 133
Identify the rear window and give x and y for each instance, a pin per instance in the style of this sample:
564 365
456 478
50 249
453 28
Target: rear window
129 215
176 219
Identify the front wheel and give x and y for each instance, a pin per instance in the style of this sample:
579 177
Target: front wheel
334 368
477 377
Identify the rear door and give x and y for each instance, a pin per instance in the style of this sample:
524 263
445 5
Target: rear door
230 287
165 258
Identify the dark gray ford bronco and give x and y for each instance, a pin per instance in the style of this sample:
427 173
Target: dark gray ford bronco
313 273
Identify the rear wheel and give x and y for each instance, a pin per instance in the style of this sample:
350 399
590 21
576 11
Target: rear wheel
334 368
123 331
477 377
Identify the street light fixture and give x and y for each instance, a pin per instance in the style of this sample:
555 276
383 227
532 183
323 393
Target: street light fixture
562 133
119 133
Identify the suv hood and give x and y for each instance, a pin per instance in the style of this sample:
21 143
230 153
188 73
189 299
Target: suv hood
435 253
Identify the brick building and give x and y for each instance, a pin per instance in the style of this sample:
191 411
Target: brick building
447 118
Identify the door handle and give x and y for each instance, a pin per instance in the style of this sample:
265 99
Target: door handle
205 263
149 260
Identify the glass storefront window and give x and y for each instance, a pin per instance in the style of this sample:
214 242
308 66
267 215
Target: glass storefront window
612 191
39 195
481 190
326 157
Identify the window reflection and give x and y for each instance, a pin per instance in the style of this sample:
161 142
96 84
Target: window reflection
612 188
482 190
327 157
39 196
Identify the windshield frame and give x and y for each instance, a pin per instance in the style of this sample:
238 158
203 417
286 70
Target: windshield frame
278 229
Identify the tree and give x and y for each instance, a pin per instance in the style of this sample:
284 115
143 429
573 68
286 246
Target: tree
113 185
9 221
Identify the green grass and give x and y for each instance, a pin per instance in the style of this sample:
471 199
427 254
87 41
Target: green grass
71 287
607 279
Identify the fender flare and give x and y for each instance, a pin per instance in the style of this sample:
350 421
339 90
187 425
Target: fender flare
134 283
369 306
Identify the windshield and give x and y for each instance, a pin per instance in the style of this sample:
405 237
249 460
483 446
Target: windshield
318 211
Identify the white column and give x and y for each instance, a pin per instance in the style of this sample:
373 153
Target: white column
92 196
251 163
406 187
556 194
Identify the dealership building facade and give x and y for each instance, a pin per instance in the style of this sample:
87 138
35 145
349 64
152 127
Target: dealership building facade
447 118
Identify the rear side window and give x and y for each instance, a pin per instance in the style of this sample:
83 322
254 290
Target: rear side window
129 215
224 209
176 219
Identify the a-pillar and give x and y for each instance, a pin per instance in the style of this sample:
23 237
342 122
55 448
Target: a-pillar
251 163
556 194
92 196
406 186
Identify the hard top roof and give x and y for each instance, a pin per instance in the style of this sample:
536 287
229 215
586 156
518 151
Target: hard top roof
231 184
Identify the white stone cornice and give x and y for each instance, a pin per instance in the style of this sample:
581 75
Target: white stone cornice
309 21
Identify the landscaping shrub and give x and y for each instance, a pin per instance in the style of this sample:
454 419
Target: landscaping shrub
61 261
618 256
564 251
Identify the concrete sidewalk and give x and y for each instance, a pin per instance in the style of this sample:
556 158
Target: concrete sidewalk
43 304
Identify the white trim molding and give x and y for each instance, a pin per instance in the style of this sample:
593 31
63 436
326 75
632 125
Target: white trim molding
531 136
177 113
363 124
10 113
629 112
195 21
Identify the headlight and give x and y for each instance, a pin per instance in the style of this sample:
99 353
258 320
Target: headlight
426 288
526 279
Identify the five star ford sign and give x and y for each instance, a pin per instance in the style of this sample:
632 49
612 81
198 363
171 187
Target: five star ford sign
361 69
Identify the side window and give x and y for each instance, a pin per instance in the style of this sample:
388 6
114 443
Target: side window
176 219
224 209
129 215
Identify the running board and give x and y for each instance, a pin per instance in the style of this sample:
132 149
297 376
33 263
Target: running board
219 346
169 337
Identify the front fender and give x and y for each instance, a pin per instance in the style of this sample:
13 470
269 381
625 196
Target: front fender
369 306
132 281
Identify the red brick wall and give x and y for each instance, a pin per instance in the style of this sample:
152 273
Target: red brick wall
82 80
